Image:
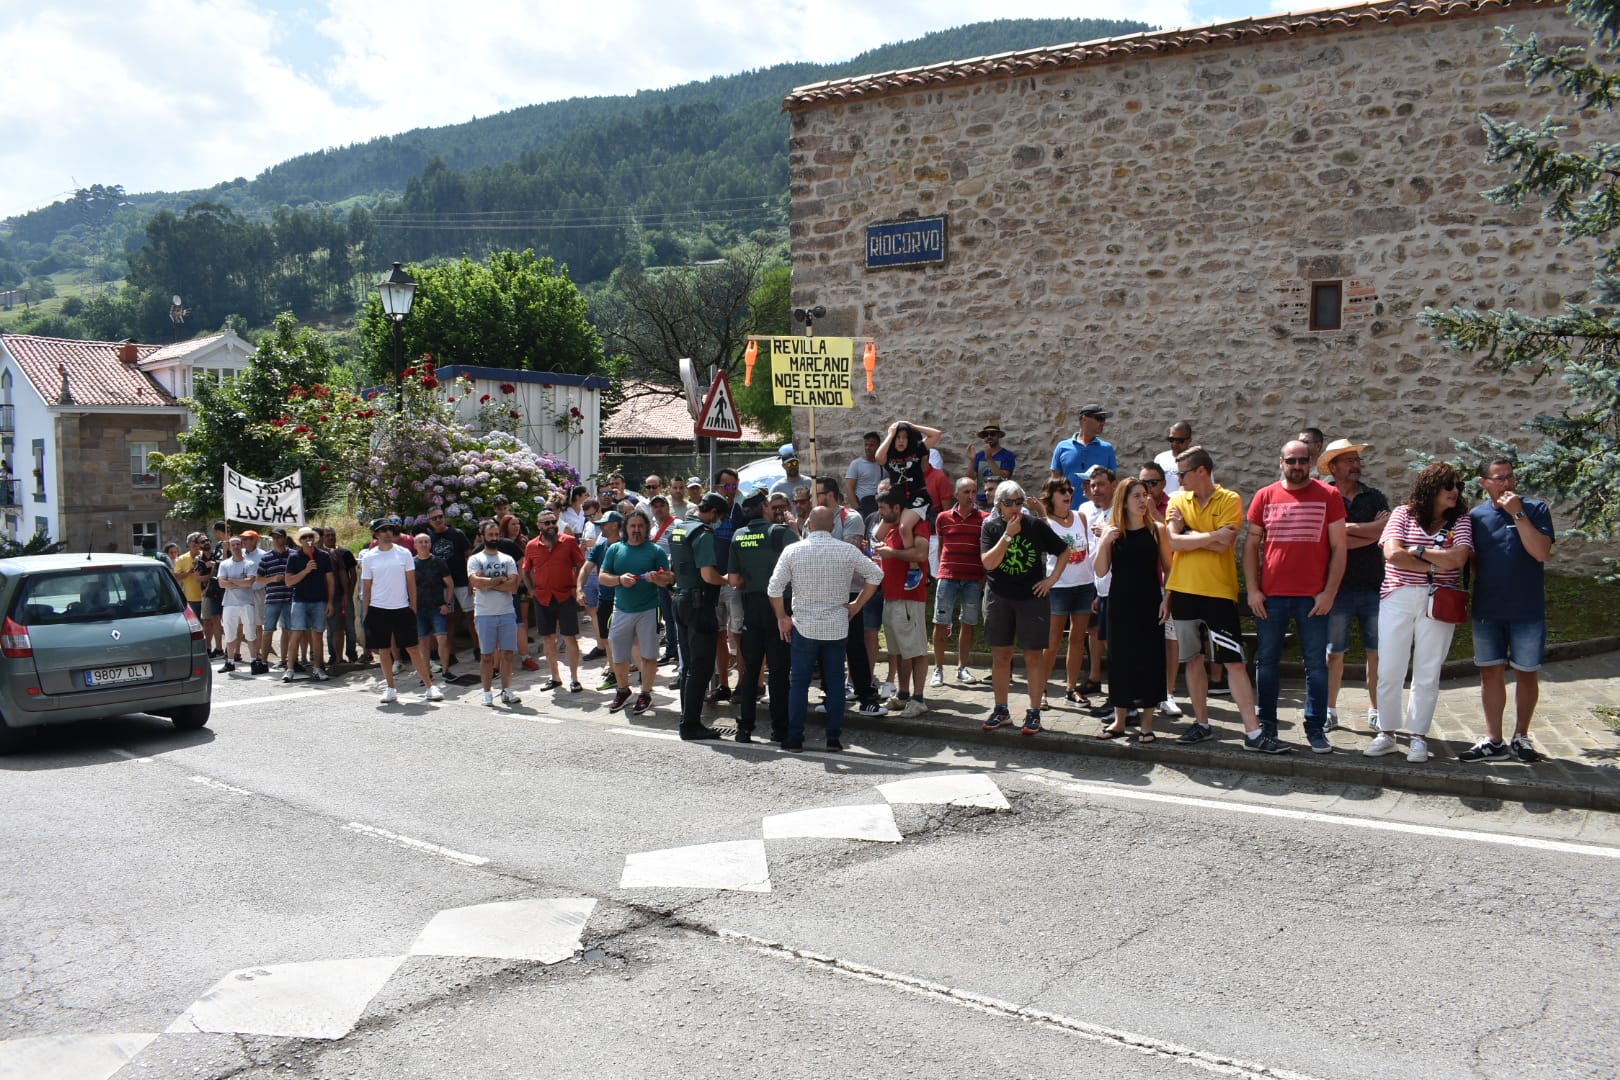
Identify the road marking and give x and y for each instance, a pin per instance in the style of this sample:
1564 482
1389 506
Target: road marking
280 697
547 931
953 789
320 999
967 999
1536 843
643 733
220 785
850 754
129 756
418 845
862 821
738 865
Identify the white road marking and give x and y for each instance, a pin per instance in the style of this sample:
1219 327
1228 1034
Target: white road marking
322 999
70 1057
544 930
129 756
418 845
1338 819
738 865
644 733
289 696
220 785
856 753
954 789
967 999
860 822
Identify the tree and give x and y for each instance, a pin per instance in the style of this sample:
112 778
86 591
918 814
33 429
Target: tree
515 312
1578 459
772 307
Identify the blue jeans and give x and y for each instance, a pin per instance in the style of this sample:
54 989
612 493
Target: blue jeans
807 655
1313 636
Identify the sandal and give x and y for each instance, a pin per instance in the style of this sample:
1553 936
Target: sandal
1111 733
1074 695
1147 737
574 687
551 684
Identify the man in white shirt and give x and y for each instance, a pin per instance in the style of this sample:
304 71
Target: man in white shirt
1179 438
235 578
388 595
493 575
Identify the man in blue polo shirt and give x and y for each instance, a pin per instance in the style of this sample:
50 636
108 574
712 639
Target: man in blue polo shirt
1072 457
1513 536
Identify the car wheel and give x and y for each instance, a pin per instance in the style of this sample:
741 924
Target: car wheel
191 717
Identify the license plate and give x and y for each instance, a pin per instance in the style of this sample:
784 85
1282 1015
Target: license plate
110 676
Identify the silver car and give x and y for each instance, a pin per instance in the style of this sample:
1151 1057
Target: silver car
90 636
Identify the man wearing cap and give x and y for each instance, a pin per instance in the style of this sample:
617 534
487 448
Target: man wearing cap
451 547
755 549
1293 561
1366 510
1179 437
1072 457
864 474
683 501
388 596
697 595
790 463
990 463
309 572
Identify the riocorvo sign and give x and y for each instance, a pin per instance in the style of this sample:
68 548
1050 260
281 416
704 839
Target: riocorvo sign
917 242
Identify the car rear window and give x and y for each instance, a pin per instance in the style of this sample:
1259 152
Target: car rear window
96 594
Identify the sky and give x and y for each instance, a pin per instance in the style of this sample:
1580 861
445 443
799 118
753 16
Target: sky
171 95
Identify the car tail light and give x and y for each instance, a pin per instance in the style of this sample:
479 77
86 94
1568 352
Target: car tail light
14 641
194 623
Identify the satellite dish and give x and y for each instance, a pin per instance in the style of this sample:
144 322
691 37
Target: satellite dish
694 391
175 299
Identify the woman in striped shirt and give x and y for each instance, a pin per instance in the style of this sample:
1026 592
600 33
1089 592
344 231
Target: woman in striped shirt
1428 538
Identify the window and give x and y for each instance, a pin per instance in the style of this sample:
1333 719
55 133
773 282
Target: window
1327 305
39 470
98 595
42 526
144 537
141 470
215 375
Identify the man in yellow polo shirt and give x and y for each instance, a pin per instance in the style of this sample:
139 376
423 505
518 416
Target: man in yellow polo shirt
192 571
1204 519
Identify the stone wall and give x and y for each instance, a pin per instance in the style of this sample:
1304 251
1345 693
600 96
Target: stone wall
1143 233
96 482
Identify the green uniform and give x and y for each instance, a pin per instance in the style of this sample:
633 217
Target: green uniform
754 551
684 556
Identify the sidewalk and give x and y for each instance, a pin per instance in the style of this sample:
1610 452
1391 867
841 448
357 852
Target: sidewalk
1581 767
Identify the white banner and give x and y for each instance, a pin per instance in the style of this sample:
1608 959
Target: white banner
264 502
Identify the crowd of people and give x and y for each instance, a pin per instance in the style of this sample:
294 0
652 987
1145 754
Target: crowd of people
1130 578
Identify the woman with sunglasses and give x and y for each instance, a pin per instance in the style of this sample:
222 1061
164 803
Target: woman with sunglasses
1135 548
1427 541
1075 591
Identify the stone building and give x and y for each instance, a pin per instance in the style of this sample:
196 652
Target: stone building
1238 224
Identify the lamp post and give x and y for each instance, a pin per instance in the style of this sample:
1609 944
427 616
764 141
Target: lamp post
398 291
808 316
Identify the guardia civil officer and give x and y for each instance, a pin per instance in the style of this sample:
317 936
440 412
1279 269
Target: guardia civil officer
754 551
697 592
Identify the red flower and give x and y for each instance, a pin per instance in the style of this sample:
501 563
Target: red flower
514 416
300 429
428 357
574 411
484 400
310 436
450 398
430 383
508 388
295 391
323 468
323 419
279 423
320 391
410 373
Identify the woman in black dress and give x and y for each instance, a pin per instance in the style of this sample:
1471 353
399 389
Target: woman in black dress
1136 549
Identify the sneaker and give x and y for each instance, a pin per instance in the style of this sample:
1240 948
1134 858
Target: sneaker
868 708
1222 690
489 698
821 710
1372 721
895 703
1032 722
1522 748
938 678
643 703
287 677
621 696
259 667
389 696
1418 752
1485 750
834 746
433 694
1169 708
399 667
320 675
1332 721
718 694
608 682
914 708
698 734
1265 744
1319 744
229 665
530 664
595 654
1383 745
509 698
963 675
1000 717
790 747
888 690
1195 734
436 667
281 665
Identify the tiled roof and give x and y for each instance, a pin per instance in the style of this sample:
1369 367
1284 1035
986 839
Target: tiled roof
95 374
1152 43
179 350
651 411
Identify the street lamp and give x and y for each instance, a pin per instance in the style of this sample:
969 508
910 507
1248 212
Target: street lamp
398 292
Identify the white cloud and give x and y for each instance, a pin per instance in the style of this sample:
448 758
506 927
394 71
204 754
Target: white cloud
179 94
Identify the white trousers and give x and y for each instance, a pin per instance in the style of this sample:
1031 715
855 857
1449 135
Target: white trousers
1406 634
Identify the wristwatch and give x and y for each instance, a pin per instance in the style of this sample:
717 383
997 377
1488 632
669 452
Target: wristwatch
1519 515
1419 551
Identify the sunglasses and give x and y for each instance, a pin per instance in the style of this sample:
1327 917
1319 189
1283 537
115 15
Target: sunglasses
1178 438
1153 483
1449 485
1013 502
1184 473
728 487
653 487
1296 461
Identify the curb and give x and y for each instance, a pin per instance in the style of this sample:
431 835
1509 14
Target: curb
1438 777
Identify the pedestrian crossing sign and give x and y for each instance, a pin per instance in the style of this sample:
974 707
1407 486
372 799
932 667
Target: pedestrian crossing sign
718 418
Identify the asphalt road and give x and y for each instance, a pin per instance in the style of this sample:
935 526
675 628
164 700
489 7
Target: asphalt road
198 904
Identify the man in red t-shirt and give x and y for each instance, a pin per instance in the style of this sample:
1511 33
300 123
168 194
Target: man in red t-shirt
1299 525
551 563
960 577
901 549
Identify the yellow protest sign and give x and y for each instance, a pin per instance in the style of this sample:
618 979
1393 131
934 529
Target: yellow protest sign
812 372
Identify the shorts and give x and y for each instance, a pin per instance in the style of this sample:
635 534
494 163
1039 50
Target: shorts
730 609
1523 644
308 615
210 608
277 614
1026 623
258 607
872 613
390 628
1212 616
464 598
496 633
1074 599
1358 605
557 616
431 622
905 627
948 592
638 627
239 620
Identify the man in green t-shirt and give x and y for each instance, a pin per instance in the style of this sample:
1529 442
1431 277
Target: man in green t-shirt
754 551
635 568
697 591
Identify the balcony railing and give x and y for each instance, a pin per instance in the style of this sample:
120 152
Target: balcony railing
10 493
8 418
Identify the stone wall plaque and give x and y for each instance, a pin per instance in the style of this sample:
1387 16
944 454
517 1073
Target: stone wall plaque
918 242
